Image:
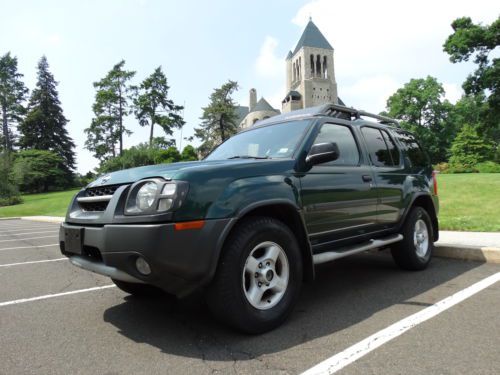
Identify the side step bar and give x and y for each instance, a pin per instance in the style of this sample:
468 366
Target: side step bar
349 250
102 269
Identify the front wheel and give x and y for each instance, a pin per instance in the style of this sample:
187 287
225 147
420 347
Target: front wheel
259 276
414 252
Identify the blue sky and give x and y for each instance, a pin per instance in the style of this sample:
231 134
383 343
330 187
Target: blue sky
201 44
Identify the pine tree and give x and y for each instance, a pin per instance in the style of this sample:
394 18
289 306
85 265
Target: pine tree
219 119
111 106
152 106
12 96
45 125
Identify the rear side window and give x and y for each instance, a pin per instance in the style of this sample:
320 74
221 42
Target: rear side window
342 136
383 152
413 150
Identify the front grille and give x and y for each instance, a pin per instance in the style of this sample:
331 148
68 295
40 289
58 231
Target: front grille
96 199
101 190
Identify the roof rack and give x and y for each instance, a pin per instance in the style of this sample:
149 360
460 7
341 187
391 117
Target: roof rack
340 111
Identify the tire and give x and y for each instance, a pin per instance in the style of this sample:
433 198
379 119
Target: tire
258 277
414 252
138 290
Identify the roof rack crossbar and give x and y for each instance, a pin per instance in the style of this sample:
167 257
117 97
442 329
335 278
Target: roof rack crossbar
336 110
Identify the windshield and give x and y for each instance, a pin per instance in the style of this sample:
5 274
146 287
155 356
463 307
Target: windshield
274 141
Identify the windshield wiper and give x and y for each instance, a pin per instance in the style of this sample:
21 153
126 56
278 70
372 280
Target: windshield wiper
249 157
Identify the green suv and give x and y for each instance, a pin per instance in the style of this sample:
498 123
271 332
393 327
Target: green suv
248 224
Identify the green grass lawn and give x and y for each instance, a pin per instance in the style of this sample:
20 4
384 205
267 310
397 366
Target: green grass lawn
47 204
469 202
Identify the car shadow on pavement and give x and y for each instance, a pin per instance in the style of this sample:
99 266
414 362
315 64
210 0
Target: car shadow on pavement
344 294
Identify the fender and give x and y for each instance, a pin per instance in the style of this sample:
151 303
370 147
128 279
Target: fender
433 215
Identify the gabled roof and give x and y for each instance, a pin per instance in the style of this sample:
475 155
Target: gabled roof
241 112
289 56
263 105
312 37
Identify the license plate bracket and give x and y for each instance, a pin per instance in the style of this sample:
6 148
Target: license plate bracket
73 240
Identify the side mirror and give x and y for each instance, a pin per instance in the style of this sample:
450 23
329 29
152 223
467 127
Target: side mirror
322 153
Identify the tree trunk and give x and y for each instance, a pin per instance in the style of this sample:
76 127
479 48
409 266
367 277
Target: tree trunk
221 127
5 128
151 133
120 120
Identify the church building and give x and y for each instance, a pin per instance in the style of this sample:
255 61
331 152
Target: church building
310 79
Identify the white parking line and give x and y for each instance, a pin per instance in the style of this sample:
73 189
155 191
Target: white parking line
29 247
33 262
47 296
26 239
25 229
17 234
362 348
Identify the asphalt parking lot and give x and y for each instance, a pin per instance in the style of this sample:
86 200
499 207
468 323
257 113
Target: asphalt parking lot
58 319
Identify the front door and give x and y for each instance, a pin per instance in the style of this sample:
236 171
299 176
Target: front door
338 197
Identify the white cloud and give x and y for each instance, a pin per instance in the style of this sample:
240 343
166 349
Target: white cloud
370 93
54 40
453 92
267 63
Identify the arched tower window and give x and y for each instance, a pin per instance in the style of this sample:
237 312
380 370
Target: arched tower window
325 70
312 65
318 65
300 67
293 71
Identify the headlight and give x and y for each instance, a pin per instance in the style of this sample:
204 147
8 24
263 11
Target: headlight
155 196
146 196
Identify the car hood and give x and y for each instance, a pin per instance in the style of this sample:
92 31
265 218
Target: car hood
187 170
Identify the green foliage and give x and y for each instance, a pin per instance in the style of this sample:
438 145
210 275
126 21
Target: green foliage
44 127
219 119
469 148
12 96
469 39
152 106
9 194
488 167
189 154
140 155
111 106
143 154
39 171
422 109
85 179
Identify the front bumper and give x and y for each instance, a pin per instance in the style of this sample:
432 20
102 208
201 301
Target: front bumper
181 261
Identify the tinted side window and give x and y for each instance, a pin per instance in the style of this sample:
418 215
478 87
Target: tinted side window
413 151
379 152
393 150
349 153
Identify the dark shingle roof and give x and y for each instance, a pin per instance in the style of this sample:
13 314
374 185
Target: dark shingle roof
312 37
241 112
263 105
289 56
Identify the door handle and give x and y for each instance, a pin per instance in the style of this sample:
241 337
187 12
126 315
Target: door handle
367 178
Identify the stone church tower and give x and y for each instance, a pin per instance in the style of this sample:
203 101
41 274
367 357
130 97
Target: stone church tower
310 74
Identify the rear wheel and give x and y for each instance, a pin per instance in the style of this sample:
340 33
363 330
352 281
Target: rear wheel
258 278
414 252
138 290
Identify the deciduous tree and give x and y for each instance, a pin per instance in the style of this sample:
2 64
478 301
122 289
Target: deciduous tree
219 119
422 109
479 41
111 106
153 107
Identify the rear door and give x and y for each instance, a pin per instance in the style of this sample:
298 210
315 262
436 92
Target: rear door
338 197
390 174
